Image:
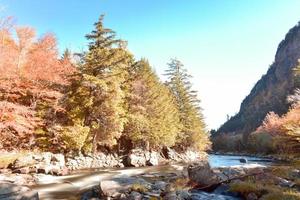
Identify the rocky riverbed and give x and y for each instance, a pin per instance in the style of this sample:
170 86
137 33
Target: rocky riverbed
49 176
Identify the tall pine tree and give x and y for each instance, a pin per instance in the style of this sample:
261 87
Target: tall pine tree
193 133
96 99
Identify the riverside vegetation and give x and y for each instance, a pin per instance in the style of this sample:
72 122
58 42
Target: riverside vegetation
99 99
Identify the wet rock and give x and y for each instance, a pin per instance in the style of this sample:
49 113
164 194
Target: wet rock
17 179
243 160
170 196
295 173
135 196
223 189
14 192
91 194
252 196
183 194
284 183
153 194
159 185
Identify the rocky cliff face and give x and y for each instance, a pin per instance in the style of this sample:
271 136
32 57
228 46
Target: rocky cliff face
270 92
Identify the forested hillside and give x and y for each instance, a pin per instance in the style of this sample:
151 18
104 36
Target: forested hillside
268 106
102 98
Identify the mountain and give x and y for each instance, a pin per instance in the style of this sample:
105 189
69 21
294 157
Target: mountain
270 92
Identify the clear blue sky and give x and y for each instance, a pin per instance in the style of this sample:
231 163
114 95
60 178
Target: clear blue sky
226 44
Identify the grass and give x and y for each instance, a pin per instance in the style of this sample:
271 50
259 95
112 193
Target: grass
181 184
289 195
265 188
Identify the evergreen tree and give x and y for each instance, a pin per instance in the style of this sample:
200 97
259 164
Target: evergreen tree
193 131
97 97
153 115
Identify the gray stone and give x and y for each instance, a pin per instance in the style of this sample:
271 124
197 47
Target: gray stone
58 159
14 192
284 183
202 174
136 158
116 186
25 161
135 196
153 159
252 196
170 196
183 194
243 160
159 185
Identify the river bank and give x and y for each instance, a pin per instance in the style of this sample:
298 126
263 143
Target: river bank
177 181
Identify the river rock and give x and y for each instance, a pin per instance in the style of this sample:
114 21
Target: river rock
14 192
252 196
25 161
202 174
159 185
136 158
170 196
117 186
170 154
153 159
135 196
58 160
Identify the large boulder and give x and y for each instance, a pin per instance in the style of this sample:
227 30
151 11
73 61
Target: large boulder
202 174
10 191
136 158
153 158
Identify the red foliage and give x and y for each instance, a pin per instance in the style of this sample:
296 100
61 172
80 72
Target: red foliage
17 124
31 76
29 58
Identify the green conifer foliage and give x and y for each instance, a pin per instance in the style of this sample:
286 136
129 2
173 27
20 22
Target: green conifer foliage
193 133
153 115
97 96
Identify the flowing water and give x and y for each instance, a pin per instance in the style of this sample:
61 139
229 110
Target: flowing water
64 187
231 160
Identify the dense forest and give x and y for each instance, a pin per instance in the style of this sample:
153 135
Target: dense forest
99 99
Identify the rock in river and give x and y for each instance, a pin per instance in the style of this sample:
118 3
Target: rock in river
10 191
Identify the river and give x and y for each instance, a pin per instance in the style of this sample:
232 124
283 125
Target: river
62 187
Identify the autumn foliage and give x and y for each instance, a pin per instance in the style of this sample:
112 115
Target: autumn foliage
24 56
30 74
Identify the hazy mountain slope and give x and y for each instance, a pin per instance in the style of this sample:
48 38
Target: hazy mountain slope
270 92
